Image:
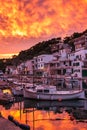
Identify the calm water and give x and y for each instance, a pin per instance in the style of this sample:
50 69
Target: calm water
63 115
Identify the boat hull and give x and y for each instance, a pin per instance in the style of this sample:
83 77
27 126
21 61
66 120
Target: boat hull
58 96
17 92
6 98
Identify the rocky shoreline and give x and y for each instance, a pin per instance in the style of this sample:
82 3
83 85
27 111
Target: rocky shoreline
11 124
5 124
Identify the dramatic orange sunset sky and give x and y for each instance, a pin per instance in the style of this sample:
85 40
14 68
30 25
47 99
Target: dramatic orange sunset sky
23 23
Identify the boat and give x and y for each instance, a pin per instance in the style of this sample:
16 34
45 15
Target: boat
6 97
17 91
49 92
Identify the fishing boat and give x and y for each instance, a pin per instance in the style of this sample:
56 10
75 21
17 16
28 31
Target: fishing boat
48 92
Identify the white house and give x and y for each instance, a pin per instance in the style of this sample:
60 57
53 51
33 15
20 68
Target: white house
40 61
29 67
11 70
79 62
80 42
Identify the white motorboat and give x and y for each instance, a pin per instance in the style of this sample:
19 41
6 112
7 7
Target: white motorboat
46 92
18 89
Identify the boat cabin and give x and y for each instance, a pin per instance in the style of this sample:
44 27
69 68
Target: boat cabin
46 89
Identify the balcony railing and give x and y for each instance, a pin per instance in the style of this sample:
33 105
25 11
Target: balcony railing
61 67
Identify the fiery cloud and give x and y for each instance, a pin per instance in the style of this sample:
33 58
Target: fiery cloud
41 19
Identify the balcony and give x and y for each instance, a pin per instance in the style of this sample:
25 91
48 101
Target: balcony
61 67
85 66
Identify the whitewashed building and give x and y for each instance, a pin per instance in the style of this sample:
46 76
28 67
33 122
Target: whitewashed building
39 63
29 67
12 70
80 63
61 65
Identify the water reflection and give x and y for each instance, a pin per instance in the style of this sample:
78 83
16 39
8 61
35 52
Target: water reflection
6 105
51 115
51 104
65 111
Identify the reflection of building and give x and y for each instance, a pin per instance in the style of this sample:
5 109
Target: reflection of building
74 108
51 104
6 105
80 114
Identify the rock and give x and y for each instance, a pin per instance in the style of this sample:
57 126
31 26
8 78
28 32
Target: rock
5 124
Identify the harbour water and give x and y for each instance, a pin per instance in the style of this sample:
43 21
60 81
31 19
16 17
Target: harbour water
48 115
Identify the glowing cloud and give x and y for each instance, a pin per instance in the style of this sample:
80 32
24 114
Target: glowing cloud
41 19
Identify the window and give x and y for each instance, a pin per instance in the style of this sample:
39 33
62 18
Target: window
84 73
41 59
41 65
77 56
77 70
77 64
36 66
46 91
73 64
83 44
86 56
38 59
39 91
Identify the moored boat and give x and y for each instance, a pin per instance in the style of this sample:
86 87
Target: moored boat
47 92
6 97
17 91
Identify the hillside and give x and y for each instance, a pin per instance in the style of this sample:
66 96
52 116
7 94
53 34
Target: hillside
40 48
43 47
